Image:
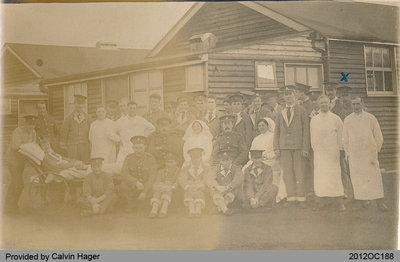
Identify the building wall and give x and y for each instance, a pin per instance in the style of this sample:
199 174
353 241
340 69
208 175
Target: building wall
349 57
234 70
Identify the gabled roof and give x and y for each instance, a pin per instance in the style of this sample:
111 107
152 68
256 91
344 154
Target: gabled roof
334 19
59 61
344 20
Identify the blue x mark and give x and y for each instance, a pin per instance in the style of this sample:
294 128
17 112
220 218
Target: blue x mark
344 78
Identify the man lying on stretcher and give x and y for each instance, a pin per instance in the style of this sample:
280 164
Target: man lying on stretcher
55 164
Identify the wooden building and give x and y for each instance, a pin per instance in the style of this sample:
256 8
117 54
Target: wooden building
221 48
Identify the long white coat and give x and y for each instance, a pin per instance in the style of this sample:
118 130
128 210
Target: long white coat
326 141
103 138
362 140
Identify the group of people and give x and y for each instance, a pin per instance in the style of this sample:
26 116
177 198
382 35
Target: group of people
254 153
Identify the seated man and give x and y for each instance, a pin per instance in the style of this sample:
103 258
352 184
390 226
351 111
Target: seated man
98 191
138 172
55 164
193 181
258 188
164 184
226 183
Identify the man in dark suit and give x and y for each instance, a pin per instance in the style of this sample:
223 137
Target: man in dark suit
292 145
302 94
335 105
212 116
74 134
255 111
243 124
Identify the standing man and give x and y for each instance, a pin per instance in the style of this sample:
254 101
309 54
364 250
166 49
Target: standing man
184 116
46 127
155 111
243 124
292 144
362 140
302 92
212 116
335 105
344 95
129 126
112 110
200 103
326 141
255 112
15 162
123 107
74 135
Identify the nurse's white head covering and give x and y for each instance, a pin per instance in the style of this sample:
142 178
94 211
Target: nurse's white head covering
270 122
205 130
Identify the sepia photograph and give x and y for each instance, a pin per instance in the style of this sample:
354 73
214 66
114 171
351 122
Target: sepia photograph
255 125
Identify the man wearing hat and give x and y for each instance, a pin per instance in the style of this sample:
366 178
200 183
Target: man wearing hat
344 94
226 182
230 140
243 124
183 116
138 172
302 94
165 183
335 104
255 111
155 111
292 145
98 190
23 134
258 186
166 138
74 134
193 180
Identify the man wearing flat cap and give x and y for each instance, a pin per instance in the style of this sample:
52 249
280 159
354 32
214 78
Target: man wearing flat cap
138 173
226 182
292 145
302 94
23 134
335 104
166 138
212 116
230 140
200 104
344 94
74 134
243 124
98 190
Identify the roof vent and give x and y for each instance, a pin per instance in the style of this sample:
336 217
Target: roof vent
202 42
106 45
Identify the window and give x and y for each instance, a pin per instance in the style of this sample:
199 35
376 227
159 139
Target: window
6 106
69 92
265 75
309 74
116 88
195 78
28 107
380 76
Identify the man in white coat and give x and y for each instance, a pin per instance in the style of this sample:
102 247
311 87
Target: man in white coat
362 140
326 141
129 126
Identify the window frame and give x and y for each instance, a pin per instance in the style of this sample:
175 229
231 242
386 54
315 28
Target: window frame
271 87
9 108
393 70
83 85
321 65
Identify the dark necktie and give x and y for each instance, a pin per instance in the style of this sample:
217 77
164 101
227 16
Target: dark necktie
288 112
210 114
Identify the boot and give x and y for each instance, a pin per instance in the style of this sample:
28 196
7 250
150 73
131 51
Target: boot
164 209
197 210
221 206
192 211
154 210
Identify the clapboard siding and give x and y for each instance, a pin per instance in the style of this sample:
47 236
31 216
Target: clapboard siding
231 23
174 81
348 57
56 102
233 70
94 96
